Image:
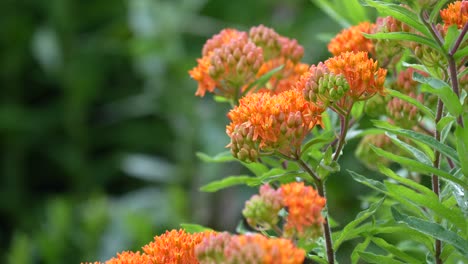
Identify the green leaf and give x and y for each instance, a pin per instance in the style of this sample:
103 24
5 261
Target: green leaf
320 140
401 13
380 187
410 183
404 36
221 99
451 36
262 80
194 228
461 53
419 167
444 126
228 182
395 251
441 89
225 156
318 259
258 169
426 110
415 136
453 215
461 135
378 259
344 235
358 109
359 248
405 230
419 155
333 12
354 10
433 229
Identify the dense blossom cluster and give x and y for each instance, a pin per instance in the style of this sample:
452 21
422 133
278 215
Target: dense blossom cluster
352 39
232 59
303 204
265 122
249 249
455 14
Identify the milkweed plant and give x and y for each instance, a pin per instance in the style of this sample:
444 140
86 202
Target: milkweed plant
289 122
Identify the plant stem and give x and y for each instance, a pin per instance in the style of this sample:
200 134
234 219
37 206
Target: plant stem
326 228
344 119
435 178
453 68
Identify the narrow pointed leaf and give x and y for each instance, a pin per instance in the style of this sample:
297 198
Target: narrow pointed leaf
353 224
419 167
442 148
419 155
431 202
395 251
228 182
378 259
404 36
441 89
426 110
221 157
433 229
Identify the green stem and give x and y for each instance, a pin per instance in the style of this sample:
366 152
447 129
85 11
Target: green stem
435 178
344 120
326 228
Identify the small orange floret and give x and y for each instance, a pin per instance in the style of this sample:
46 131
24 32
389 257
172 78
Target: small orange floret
201 75
175 247
363 74
304 208
352 39
223 37
128 257
455 14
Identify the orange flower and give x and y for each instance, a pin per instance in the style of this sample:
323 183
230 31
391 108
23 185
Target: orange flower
174 247
363 75
455 14
126 257
252 248
304 210
352 39
273 122
230 61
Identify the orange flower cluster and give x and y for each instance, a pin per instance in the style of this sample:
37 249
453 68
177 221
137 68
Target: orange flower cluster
343 80
304 206
265 122
352 39
363 74
232 60
127 257
261 211
173 247
455 14
252 248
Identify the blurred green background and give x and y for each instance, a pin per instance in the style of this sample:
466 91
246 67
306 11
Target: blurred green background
99 124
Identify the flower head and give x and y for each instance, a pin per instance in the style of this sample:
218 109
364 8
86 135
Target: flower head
277 122
230 61
261 211
363 74
304 206
175 247
322 86
455 14
352 39
252 248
